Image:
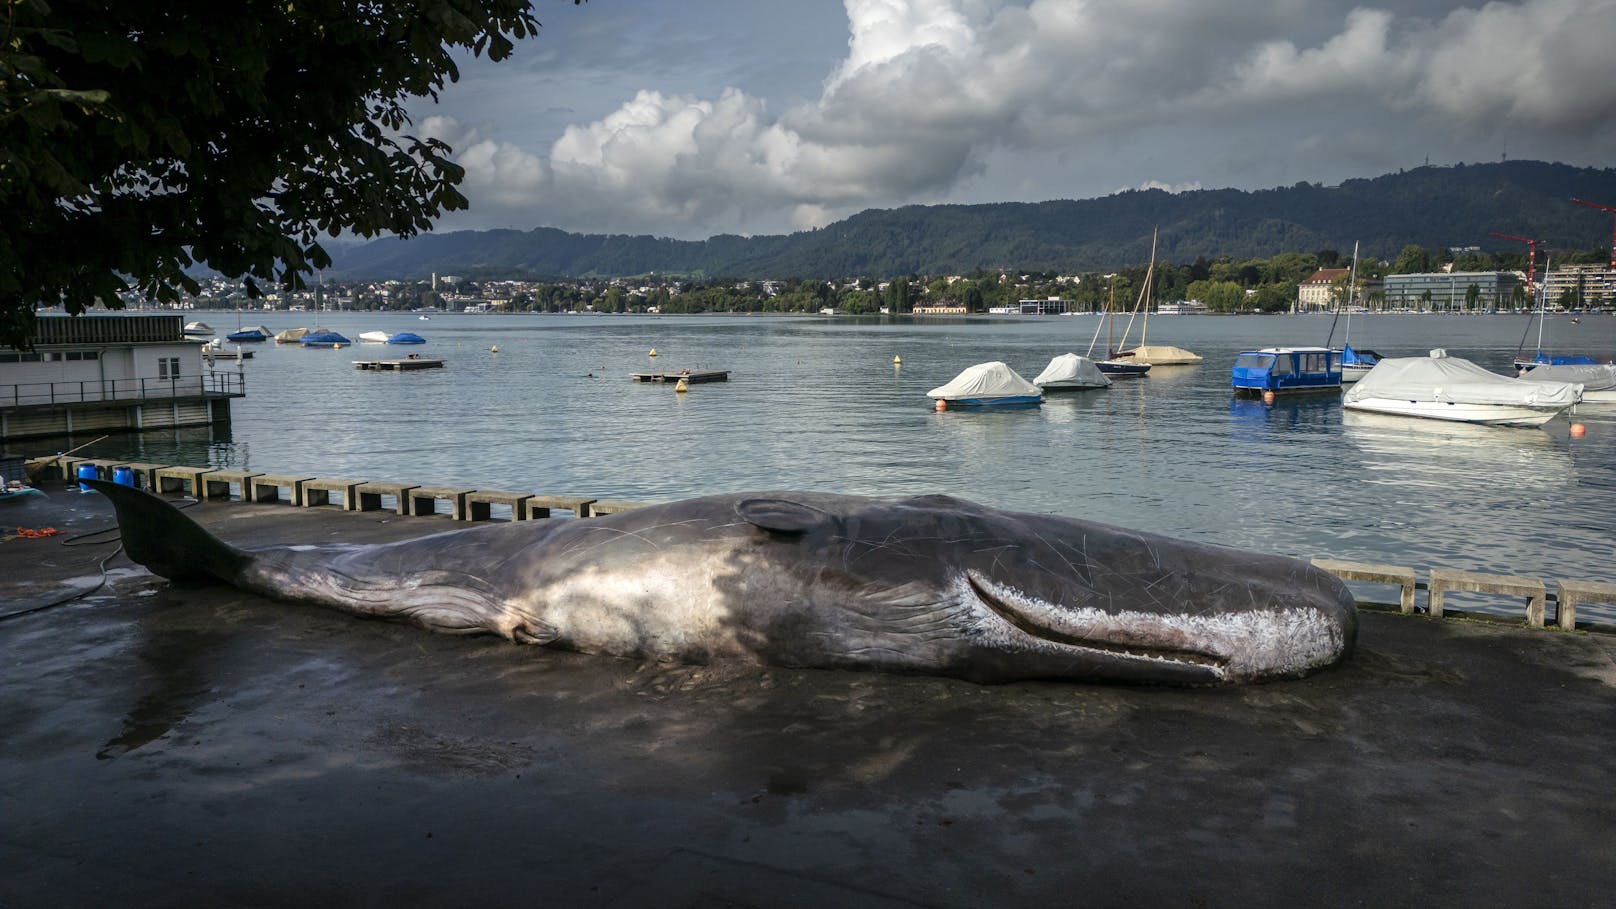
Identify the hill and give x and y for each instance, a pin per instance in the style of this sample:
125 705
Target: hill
1433 206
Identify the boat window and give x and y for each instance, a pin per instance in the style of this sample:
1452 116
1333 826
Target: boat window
1253 361
1281 367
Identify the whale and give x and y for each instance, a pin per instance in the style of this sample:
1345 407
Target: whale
927 584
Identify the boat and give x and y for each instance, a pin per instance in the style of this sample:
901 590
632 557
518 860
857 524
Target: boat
1286 370
1524 364
215 350
325 338
1157 355
424 318
987 385
405 337
198 331
1355 364
290 335
1071 372
249 335
1440 387
1115 366
373 337
1598 380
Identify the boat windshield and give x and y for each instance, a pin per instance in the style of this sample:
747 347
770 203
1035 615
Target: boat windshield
1281 367
1254 361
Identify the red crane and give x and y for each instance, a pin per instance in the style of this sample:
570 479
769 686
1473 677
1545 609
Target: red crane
1531 260
1605 208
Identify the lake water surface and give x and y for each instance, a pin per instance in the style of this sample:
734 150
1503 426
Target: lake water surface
816 403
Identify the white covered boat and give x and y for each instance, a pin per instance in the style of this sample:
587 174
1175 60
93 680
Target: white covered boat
290 335
987 384
1598 381
1440 387
198 331
373 337
1069 372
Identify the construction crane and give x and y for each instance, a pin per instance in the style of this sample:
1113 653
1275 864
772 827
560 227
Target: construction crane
1604 208
1531 259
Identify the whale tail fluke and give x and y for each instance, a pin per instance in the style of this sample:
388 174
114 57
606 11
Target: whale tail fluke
166 541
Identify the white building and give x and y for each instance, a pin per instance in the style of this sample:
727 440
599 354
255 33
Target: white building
111 373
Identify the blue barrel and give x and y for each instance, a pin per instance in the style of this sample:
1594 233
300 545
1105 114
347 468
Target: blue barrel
123 476
88 471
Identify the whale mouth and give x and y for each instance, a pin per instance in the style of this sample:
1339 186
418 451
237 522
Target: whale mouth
1044 631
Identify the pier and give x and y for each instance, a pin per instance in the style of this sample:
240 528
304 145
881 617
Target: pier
401 364
690 376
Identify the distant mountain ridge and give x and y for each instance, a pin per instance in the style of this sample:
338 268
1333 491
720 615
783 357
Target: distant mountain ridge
1433 206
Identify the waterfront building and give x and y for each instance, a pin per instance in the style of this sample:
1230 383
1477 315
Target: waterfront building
111 373
1317 293
1580 286
1051 306
1452 290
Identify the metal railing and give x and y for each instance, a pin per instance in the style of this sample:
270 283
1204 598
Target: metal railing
213 384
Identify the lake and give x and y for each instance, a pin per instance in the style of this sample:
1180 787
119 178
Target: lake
817 403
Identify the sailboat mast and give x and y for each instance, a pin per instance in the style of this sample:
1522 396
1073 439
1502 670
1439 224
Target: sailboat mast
1543 303
1150 274
1352 293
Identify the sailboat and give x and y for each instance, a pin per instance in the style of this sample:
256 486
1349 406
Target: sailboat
323 337
1160 355
1355 364
1115 366
1524 364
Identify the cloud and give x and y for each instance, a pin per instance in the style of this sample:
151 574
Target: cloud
930 91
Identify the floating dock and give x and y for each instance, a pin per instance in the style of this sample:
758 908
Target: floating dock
691 376
406 363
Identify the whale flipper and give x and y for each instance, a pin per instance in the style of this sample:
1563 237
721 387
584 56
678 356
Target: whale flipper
166 540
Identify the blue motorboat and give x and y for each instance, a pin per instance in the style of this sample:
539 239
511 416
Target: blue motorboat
325 338
1287 370
406 337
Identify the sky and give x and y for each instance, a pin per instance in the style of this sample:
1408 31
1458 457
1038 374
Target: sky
736 116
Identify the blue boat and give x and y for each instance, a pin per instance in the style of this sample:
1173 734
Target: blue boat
249 335
406 337
1355 364
325 338
1523 364
1287 370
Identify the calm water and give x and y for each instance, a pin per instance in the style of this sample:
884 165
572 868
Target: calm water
816 403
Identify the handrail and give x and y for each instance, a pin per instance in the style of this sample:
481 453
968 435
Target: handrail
214 383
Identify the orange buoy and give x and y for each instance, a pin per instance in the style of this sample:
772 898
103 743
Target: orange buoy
1578 430
1268 397
941 404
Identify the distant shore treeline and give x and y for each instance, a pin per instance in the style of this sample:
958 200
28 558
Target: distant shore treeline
1434 207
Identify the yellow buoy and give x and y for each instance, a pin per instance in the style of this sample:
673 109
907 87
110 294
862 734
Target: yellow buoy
494 349
682 385
1578 430
897 361
941 404
653 352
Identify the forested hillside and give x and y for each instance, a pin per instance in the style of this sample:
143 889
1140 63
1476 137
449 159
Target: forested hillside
1435 207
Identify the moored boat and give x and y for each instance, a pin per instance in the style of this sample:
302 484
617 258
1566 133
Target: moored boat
373 337
325 338
198 331
290 335
1440 387
405 337
987 385
1157 354
249 335
1286 370
1355 364
1071 372
1598 380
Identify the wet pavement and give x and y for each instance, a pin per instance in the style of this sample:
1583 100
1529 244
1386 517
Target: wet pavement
165 745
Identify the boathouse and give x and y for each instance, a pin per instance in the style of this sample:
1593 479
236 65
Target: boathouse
111 373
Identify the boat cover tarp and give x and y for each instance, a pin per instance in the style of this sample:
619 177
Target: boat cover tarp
292 334
324 337
986 380
1598 377
406 337
1164 355
377 337
1072 371
1457 381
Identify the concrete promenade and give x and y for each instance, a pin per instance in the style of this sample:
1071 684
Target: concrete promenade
168 746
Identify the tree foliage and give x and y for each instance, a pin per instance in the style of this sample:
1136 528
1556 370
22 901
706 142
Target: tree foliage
137 139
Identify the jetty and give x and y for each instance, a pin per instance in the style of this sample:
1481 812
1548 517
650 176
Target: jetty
401 364
690 376
182 722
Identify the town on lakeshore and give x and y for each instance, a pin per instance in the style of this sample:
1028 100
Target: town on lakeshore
1459 280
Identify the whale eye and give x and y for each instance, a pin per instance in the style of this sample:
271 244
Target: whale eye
781 515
